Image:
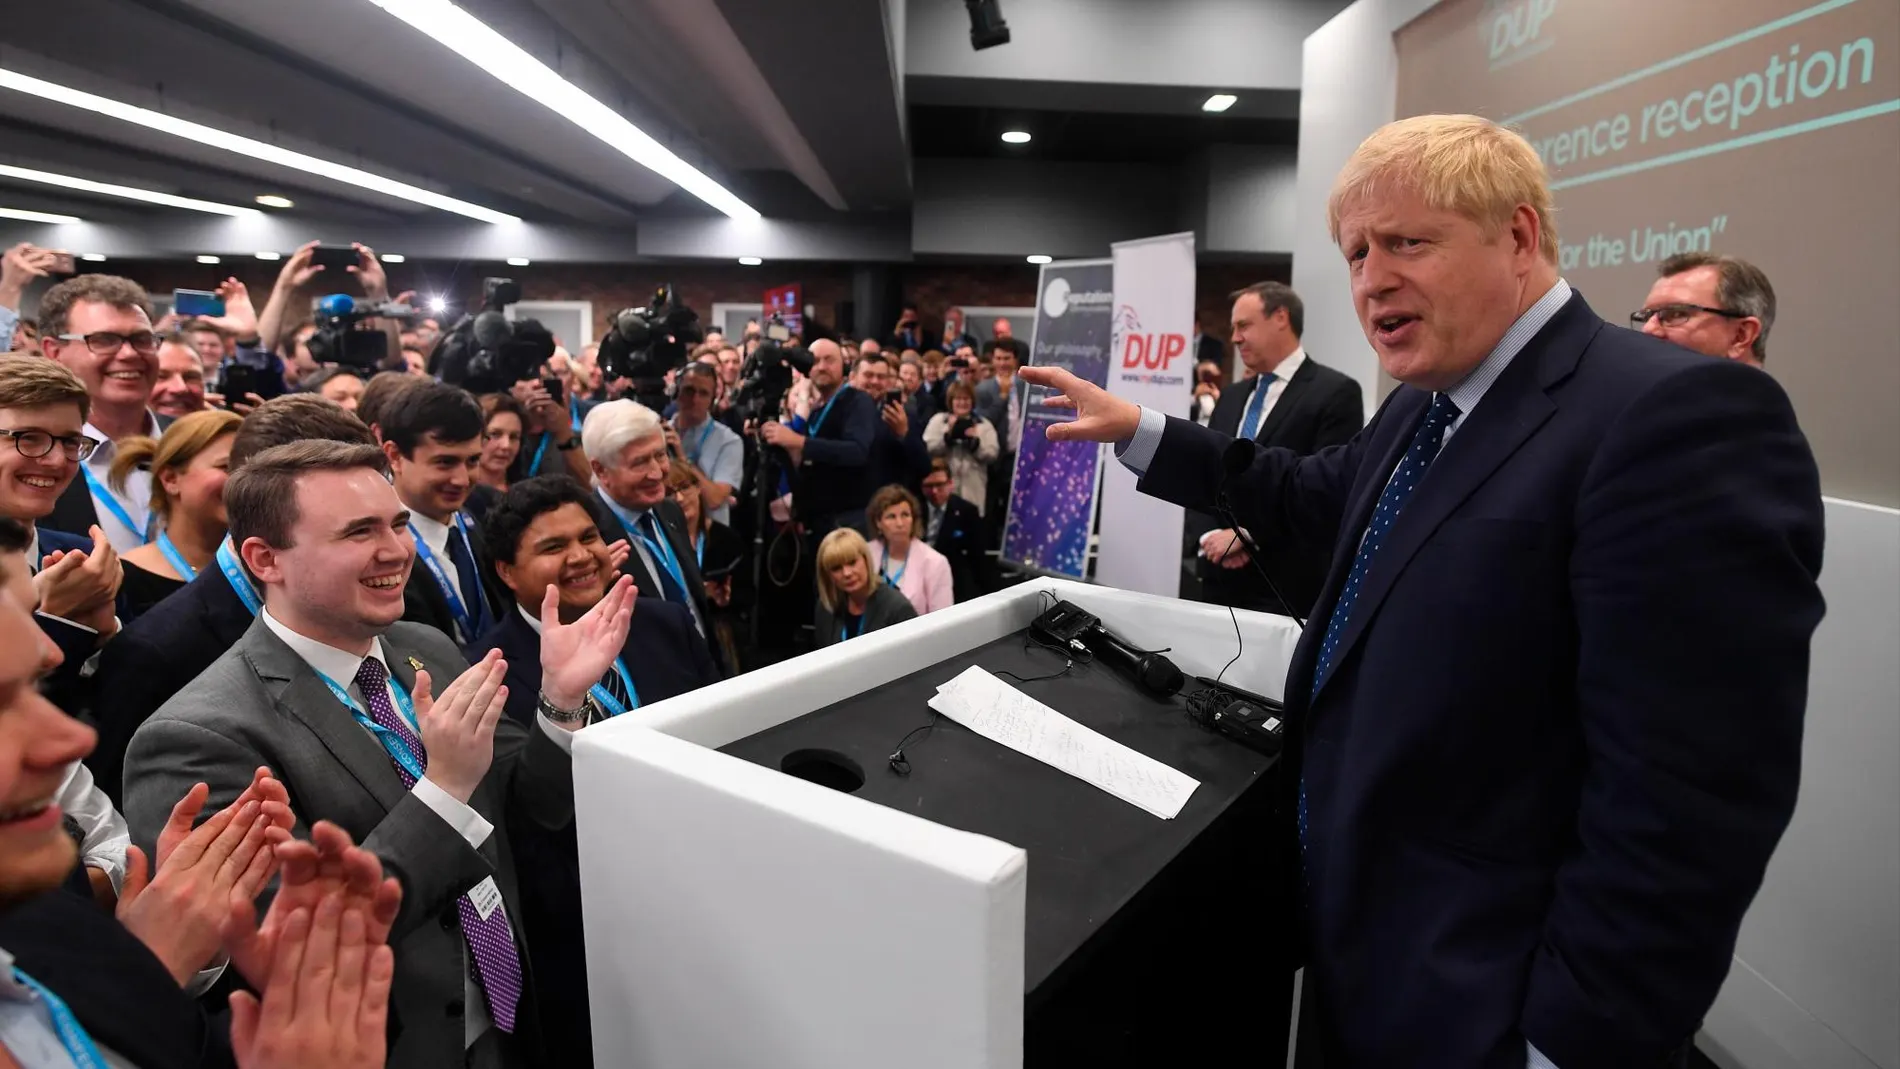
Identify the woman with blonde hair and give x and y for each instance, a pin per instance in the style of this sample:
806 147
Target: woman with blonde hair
851 598
188 466
902 557
966 441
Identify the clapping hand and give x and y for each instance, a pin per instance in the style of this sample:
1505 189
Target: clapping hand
327 864
574 656
179 913
326 1002
1100 415
458 728
82 586
618 552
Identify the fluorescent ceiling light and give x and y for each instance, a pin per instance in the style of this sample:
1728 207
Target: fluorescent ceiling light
750 261
208 259
393 258
518 261
93 257
272 200
468 37
245 146
86 185
268 255
36 217
1016 137
1219 102
1041 258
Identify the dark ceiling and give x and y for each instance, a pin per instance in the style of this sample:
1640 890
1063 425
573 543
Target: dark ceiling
938 132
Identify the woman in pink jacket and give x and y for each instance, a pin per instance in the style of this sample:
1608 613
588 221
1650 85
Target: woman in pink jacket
900 554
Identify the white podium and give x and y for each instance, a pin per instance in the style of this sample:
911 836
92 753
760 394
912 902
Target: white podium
739 918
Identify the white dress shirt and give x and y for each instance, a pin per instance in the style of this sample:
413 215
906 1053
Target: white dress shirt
106 835
630 519
436 537
1282 374
136 499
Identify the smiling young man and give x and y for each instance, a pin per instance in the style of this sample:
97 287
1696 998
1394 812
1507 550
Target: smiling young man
432 435
180 388
1539 770
380 726
99 327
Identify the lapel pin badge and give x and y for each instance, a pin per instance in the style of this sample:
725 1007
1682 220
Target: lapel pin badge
415 663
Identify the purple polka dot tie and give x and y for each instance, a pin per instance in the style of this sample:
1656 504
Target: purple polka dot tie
1398 490
497 962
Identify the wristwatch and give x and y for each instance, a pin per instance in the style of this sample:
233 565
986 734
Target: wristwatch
564 716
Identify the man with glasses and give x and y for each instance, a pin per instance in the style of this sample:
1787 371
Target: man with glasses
954 528
716 453
99 327
1716 305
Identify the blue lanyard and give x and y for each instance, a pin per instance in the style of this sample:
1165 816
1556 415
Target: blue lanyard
399 750
240 582
177 559
140 531
812 431
700 449
662 551
466 622
534 466
574 412
845 631
606 698
699 550
72 1035
901 569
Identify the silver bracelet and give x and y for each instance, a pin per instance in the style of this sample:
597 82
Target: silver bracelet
563 716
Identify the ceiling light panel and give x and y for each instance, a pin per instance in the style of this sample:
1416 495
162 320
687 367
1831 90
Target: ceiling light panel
245 146
28 216
109 189
470 38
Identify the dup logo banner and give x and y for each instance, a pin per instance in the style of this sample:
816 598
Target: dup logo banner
1052 500
1150 364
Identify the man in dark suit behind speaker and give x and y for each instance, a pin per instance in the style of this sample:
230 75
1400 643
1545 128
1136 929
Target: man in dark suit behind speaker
1290 401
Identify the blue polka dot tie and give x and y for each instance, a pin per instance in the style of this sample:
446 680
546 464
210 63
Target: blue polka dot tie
1398 490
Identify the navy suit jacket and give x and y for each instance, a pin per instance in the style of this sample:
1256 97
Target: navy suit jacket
74 511
665 656
834 475
647 584
1561 734
153 658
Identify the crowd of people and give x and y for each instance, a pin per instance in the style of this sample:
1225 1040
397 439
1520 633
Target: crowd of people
307 638
284 634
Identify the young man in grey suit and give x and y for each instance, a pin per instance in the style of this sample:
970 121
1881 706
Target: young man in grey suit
330 691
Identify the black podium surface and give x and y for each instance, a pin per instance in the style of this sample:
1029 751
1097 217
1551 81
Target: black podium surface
1114 892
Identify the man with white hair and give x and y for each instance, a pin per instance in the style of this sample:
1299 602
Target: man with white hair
625 442
1548 711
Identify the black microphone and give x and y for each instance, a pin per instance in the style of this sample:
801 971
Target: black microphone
1151 672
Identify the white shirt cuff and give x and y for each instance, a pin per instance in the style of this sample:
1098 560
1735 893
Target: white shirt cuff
69 623
1139 451
207 977
467 823
561 736
1536 1059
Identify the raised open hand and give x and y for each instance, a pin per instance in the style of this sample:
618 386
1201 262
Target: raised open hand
327 863
326 1003
1100 415
574 656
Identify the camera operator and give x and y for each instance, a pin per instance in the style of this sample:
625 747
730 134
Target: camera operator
552 442
713 452
967 443
1207 380
897 454
829 441
298 272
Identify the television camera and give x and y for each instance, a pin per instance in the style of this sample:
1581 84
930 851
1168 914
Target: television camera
338 341
484 352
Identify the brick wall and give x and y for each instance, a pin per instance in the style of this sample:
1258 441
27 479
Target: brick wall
611 287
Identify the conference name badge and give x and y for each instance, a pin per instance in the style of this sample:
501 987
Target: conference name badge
485 897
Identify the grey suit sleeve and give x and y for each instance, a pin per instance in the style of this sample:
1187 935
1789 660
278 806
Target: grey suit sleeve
419 848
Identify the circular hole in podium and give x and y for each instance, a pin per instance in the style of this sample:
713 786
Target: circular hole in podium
827 768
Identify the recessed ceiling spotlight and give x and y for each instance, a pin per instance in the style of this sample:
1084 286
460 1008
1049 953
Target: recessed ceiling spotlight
93 257
393 258
268 255
1041 258
1219 102
519 261
750 261
208 259
27 216
272 200
1016 137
